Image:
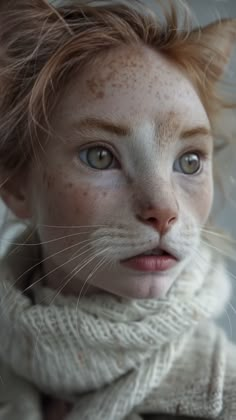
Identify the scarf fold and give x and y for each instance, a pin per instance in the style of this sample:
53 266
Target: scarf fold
104 354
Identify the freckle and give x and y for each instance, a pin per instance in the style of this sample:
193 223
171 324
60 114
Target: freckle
70 185
100 95
92 85
110 75
85 194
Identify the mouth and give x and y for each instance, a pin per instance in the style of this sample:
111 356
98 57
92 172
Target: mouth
154 260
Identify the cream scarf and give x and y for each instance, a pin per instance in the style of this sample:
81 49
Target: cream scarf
104 354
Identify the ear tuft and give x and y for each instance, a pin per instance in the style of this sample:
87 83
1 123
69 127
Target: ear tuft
216 42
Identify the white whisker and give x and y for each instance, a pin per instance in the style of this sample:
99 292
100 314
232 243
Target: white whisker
75 273
43 242
88 241
71 226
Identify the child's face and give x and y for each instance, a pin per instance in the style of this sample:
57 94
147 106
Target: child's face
111 214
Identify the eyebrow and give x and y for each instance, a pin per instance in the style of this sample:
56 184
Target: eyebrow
104 125
119 129
196 131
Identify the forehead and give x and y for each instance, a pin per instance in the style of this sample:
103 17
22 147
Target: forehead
133 86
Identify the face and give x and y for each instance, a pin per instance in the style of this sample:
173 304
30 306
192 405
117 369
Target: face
128 170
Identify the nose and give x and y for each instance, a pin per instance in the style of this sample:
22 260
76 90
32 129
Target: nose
160 219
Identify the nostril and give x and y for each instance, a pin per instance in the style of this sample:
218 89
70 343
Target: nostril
152 220
162 225
161 219
172 220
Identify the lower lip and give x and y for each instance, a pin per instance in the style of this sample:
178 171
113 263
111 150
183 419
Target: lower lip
150 263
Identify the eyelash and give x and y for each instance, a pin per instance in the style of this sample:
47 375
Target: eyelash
105 147
203 156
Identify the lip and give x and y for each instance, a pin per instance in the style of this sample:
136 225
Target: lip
151 263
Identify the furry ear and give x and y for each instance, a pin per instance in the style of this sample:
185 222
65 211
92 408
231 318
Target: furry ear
215 43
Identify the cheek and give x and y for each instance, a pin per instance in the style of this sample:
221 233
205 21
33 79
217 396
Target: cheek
62 202
71 205
202 199
197 197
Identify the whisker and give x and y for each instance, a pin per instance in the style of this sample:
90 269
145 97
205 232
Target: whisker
91 275
86 282
219 235
40 262
220 251
226 270
75 273
230 323
233 308
71 226
109 262
31 233
42 243
66 262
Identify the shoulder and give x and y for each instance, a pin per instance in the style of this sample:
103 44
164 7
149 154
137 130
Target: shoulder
220 374
202 382
211 362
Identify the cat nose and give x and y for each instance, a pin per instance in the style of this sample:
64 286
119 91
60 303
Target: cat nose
160 218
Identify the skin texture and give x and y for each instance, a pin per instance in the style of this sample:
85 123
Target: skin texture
90 219
143 200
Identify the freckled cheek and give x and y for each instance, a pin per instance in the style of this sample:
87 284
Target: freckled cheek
73 205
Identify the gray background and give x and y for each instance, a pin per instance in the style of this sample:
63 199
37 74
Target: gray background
206 11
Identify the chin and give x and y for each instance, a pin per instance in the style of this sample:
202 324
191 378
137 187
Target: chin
156 288
149 286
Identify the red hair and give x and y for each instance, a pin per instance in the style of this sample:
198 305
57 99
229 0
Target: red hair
42 46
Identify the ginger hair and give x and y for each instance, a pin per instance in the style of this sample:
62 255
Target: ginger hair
42 47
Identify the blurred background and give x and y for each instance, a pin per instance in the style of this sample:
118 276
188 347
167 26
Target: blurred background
224 211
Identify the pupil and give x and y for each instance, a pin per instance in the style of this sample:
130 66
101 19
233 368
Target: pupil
191 163
102 154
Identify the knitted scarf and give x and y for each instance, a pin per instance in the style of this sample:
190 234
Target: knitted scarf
104 354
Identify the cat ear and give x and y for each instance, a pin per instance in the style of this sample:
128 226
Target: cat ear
215 43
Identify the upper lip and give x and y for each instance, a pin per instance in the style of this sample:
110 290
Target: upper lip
157 248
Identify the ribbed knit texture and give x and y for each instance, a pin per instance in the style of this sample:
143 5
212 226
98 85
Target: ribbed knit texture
112 357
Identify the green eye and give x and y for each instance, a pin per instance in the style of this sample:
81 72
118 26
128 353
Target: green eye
189 164
97 157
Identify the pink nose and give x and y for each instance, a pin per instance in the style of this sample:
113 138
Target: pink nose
160 219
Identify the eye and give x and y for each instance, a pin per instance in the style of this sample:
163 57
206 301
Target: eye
189 164
98 158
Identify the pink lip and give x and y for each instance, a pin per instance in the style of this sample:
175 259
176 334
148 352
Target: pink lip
150 263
